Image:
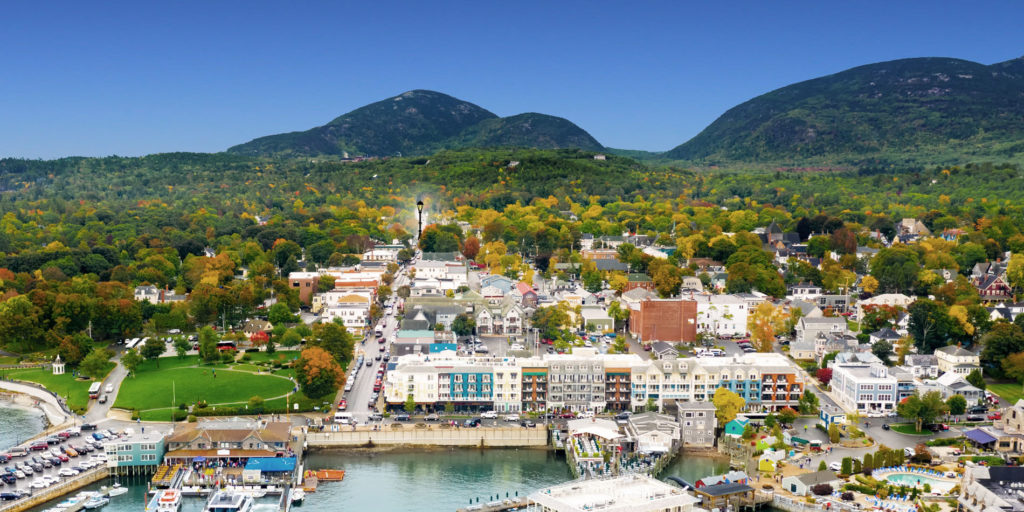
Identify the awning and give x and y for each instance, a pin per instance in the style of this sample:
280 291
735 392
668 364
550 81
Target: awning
979 436
271 464
200 459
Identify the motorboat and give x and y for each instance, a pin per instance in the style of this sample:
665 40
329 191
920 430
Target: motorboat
168 500
116 490
298 495
226 500
96 502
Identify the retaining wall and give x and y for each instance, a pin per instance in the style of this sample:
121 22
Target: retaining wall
411 436
56 491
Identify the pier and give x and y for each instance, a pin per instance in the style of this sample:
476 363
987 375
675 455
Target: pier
499 506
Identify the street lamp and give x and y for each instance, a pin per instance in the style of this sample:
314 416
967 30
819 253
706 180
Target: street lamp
419 223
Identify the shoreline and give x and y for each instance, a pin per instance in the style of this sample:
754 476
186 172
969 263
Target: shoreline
15 400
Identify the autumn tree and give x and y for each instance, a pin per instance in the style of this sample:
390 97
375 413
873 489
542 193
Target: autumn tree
131 360
922 409
957 404
95 364
471 247
787 415
335 339
764 323
727 405
317 372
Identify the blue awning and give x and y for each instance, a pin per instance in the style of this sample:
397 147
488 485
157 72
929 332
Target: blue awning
979 436
271 464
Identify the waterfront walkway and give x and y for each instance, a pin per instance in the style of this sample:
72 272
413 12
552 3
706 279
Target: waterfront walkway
46 401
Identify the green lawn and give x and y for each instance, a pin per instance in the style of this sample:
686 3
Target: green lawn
76 392
1009 391
152 388
280 355
908 428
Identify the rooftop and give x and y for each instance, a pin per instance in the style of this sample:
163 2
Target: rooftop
620 494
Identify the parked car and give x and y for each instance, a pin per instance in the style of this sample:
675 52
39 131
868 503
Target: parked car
975 417
489 415
472 422
885 426
402 417
87 426
511 417
995 416
527 423
432 417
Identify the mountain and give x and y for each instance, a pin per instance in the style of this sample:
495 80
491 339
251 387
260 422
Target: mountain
922 106
525 130
420 122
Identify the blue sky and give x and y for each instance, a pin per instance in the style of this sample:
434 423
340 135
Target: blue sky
133 78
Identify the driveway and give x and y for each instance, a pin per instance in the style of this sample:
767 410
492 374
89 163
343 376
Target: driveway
97 412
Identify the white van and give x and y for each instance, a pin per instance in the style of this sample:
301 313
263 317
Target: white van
343 418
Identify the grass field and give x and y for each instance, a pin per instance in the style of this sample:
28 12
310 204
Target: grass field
76 392
908 428
280 355
1009 391
176 382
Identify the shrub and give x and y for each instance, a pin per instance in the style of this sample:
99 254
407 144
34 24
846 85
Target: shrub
821 489
182 406
135 414
179 415
191 418
847 496
246 357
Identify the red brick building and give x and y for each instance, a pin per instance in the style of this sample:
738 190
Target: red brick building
307 284
671 320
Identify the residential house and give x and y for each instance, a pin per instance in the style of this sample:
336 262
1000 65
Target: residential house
639 280
430 316
804 291
991 488
731 477
384 253
896 300
885 334
951 384
808 329
254 326
690 284
507 317
735 427
954 359
802 350
155 295
1008 430
526 295
922 365
697 423
993 287
721 315
801 485
596 320
663 350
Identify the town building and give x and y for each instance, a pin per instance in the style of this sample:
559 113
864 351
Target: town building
867 388
809 329
953 359
992 488
672 320
697 424
922 365
139 452
307 283
895 300
801 485
629 493
725 496
721 315
228 439
154 295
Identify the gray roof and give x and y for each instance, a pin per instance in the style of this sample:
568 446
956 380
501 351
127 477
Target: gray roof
725 489
695 406
954 350
818 477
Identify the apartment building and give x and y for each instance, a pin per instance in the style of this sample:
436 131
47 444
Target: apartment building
721 315
868 388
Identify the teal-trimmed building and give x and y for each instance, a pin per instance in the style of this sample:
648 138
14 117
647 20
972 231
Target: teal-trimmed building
736 426
139 453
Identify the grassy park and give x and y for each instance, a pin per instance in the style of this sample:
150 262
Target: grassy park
1009 391
75 391
157 391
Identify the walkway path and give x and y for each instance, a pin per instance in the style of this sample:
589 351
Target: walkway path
46 401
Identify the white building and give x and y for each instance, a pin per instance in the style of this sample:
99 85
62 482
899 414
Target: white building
630 493
721 315
953 359
867 388
885 299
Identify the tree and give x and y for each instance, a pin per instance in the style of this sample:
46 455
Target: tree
619 346
869 463
883 350
727 405
652 405
833 433
770 421
317 372
463 325
1002 340
847 466
95 364
131 360
930 326
787 415
335 339
153 349
957 405
290 338
922 409
279 313
809 403
869 284
256 404
764 323
975 379
822 466
182 346
410 404
471 247
208 345
824 375
895 268
619 314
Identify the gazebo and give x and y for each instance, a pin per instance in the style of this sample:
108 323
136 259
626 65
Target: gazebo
58 366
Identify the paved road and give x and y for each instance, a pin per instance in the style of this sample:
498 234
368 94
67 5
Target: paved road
97 412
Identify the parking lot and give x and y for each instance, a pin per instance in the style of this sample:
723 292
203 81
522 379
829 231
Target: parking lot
35 466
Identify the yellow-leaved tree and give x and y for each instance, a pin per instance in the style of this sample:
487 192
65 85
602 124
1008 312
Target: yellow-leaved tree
764 323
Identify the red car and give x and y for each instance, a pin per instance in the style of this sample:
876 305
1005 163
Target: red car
995 416
38 447
342 405
567 415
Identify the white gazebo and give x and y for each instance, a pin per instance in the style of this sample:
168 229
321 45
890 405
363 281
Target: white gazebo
58 366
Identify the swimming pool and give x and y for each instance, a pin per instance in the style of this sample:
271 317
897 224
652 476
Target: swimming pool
913 479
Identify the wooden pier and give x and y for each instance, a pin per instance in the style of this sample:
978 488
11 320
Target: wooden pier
499 506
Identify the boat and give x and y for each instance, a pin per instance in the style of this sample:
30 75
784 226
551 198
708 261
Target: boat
96 502
169 500
116 490
226 500
297 496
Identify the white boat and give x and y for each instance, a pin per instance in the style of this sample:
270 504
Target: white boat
168 500
229 501
116 490
297 496
96 502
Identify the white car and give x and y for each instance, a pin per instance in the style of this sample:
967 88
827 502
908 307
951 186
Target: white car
516 346
511 417
67 472
489 415
109 388
835 466
56 452
39 483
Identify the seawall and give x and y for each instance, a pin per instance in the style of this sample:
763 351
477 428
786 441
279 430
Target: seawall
505 437
42 496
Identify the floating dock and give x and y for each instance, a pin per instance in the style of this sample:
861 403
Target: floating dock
327 475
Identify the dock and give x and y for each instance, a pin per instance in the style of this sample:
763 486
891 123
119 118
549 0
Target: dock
499 506
327 475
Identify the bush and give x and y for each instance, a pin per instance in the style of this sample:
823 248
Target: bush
246 357
821 489
946 441
182 406
847 496
135 414
191 418
179 415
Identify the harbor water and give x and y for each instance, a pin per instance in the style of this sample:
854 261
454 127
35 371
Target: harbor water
17 424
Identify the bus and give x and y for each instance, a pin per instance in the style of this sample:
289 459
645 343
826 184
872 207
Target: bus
378 331
225 345
94 390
